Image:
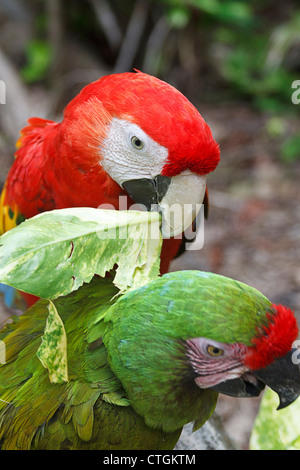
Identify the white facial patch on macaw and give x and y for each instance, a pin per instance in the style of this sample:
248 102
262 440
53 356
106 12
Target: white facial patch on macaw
129 153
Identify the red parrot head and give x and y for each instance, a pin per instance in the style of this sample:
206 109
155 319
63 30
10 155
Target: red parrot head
146 137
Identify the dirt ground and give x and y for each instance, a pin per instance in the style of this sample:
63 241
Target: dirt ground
253 230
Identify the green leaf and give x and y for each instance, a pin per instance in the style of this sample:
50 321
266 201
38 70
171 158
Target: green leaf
290 150
178 17
54 253
53 351
276 429
39 56
225 10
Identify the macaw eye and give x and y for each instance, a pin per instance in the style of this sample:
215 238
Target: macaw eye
214 351
137 143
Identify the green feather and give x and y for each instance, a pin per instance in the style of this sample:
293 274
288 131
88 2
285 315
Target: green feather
176 307
129 382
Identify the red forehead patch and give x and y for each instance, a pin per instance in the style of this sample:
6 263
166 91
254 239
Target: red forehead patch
274 340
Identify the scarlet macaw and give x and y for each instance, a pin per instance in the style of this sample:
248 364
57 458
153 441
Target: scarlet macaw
127 134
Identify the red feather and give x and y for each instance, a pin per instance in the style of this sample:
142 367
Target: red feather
274 340
160 110
57 164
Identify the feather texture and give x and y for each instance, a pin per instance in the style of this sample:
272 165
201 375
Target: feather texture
58 165
37 414
130 385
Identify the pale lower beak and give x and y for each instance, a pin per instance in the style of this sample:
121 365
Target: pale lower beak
181 203
178 199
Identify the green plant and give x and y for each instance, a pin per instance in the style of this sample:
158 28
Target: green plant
38 60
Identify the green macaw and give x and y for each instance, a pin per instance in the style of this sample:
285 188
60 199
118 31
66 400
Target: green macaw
143 364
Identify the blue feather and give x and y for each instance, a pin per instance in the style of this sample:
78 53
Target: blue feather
9 295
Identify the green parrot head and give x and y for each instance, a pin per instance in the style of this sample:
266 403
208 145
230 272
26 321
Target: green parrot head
187 335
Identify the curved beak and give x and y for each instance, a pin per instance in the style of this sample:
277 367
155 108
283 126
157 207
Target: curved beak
282 376
178 199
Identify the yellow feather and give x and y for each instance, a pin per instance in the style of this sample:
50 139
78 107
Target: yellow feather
9 215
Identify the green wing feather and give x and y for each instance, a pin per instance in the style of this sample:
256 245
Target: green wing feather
92 410
29 400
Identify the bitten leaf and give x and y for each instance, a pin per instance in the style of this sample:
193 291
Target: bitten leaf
54 253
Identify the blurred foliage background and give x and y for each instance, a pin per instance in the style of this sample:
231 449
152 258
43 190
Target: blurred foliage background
212 50
238 61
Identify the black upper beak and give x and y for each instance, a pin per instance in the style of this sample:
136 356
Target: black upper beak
282 376
147 191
